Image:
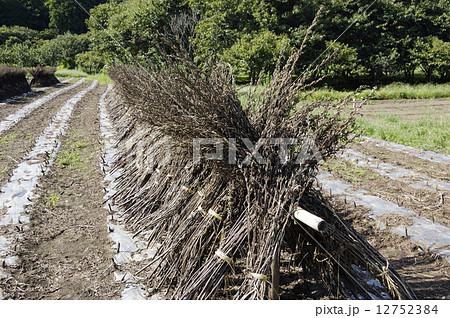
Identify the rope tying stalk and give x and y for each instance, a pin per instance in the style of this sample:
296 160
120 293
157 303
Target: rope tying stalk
187 190
260 276
214 214
225 258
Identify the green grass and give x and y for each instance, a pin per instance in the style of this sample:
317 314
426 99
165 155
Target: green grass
72 156
351 171
7 138
53 200
391 91
69 158
101 78
430 132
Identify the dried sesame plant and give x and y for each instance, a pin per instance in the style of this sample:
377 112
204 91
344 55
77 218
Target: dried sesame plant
12 82
226 222
43 76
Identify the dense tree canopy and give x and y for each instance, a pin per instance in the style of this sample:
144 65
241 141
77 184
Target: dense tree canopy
68 15
388 39
27 13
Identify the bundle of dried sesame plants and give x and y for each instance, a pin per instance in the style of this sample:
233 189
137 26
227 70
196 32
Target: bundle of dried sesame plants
223 225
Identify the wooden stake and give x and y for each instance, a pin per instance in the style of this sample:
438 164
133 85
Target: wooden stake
274 293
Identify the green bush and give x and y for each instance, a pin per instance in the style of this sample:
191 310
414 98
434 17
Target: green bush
433 57
90 62
18 54
62 50
17 34
257 52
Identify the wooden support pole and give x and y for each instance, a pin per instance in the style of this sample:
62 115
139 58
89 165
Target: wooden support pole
274 293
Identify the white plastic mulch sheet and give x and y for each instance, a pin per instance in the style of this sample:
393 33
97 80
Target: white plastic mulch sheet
19 192
419 153
432 236
413 179
128 249
13 119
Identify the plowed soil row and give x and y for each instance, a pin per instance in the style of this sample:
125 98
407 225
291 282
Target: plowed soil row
430 204
434 170
11 107
17 141
427 274
407 108
66 252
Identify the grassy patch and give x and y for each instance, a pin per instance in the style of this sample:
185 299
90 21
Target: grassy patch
430 132
69 158
53 200
101 78
72 156
7 138
392 91
350 171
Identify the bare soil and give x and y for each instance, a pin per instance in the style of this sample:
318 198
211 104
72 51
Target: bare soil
13 106
17 141
407 108
428 275
66 253
426 203
434 170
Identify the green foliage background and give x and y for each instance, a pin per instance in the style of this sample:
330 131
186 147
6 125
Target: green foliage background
391 41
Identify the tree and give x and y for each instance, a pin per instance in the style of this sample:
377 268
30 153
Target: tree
432 55
20 33
12 12
224 22
256 52
345 64
62 50
67 15
27 13
90 62
128 30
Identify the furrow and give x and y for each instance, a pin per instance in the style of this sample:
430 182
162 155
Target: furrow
128 248
432 236
419 153
19 192
413 179
13 119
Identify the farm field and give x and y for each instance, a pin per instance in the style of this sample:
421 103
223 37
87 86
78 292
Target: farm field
61 237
